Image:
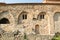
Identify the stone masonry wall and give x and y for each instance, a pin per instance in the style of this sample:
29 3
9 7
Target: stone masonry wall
12 12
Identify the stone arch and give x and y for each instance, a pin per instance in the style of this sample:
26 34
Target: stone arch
6 14
37 29
41 15
20 18
7 27
4 21
56 18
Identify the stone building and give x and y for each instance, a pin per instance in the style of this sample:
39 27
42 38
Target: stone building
31 18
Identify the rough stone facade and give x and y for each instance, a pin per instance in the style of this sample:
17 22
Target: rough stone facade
15 30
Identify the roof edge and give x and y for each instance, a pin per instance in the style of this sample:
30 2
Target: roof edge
34 4
30 4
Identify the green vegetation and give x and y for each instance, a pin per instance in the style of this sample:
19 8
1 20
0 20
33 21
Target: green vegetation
25 36
57 36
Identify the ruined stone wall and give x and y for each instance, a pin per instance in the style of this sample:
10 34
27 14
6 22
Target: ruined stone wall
12 12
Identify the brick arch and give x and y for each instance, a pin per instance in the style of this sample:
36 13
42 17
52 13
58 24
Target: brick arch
19 16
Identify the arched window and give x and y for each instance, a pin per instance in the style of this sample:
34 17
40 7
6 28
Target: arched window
4 21
41 15
22 16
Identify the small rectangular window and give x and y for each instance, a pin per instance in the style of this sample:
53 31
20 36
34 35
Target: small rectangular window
24 16
41 16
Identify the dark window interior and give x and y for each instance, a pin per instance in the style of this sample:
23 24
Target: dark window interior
24 16
41 16
0 36
4 21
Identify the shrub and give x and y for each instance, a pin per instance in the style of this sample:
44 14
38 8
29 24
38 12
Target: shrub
57 36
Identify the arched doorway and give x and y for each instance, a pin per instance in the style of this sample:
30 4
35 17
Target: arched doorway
57 22
37 29
4 21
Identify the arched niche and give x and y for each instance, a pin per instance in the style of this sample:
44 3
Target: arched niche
7 17
56 18
37 29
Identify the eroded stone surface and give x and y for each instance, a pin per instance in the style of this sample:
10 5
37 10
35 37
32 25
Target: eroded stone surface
46 26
